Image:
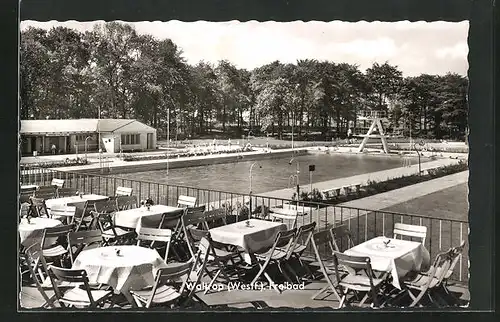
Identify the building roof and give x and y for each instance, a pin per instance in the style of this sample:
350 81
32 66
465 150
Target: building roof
66 127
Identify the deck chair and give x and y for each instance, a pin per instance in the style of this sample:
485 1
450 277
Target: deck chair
343 235
217 256
81 296
153 235
63 213
38 208
410 231
66 192
321 240
426 283
355 281
277 254
123 191
186 201
172 285
79 240
300 244
126 202
215 218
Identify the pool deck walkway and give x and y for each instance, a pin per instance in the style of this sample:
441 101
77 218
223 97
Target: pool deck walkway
362 178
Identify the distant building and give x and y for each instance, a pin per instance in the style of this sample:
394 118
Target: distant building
69 136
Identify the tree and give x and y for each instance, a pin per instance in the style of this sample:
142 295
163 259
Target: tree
385 81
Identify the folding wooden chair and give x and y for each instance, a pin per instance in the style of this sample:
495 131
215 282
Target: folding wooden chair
59 249
186 201
426 283
355 280
410 231
174 284
78 241
300 244
123 191
343 235
218 257
153 235
57 184
81 296
276 254
38 208
112 234
63 213
456 255
102 207
82 219
37 268
179 243
126 202
321 240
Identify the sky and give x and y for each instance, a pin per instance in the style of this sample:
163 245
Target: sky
415 47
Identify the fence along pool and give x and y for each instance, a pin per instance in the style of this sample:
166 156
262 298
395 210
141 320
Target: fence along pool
364 224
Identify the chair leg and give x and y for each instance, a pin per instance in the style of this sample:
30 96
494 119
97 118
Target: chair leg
285 274
262 269
319 292
288 266
212 282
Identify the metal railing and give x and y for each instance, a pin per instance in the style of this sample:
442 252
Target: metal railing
364 224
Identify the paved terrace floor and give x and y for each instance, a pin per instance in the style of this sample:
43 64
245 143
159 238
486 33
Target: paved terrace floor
266 299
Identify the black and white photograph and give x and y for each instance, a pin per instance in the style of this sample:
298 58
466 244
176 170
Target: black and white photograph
230 166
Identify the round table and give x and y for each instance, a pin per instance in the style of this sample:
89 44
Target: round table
133 269
32 232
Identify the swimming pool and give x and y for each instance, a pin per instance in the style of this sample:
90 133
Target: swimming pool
274 174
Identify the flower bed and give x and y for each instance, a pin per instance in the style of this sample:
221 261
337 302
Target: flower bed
374 187
180 154
56 164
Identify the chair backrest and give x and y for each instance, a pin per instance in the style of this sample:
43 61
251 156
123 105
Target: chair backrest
186 201
45 192
55 232
356 263
172 220
194 236
126 202
59 183
66 192
284 239
72 276
439 269
123 191
410 231
37 266
303 237
341 233
81 239
215 217
194 216
81 211
155 235
320 240
62 211
105 206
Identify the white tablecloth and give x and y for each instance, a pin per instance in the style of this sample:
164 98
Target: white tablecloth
134 269
29 187
399 257
33 232
137 217
259 235
73 199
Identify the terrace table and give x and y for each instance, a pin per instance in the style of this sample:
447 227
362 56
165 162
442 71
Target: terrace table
133 269
259 235
29 187
138 217
73 199
287 214
398 258
32 232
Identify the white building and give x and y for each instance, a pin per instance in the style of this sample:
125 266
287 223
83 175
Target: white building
71 136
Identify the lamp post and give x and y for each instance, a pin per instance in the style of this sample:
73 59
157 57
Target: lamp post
88 137
250 190
292 132
421 143
297 175
168 135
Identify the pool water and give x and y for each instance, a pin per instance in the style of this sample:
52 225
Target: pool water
274 174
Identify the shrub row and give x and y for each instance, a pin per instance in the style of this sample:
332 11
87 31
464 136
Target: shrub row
129 157
56 164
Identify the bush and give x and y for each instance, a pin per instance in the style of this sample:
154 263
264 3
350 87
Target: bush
56 164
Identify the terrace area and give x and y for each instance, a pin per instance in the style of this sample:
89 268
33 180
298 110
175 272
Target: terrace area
443 233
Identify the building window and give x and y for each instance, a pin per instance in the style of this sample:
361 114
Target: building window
131 139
